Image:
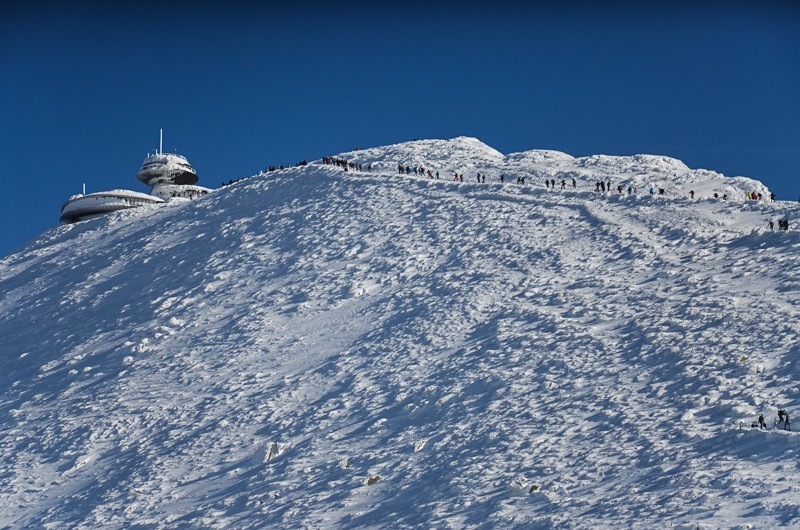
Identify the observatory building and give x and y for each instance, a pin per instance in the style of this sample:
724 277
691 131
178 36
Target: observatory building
169 175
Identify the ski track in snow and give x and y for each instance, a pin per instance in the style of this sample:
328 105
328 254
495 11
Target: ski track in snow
498 355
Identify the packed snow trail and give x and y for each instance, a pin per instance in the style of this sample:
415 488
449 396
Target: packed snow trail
319 348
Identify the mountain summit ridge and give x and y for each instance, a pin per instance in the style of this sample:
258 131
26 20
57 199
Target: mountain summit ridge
641 171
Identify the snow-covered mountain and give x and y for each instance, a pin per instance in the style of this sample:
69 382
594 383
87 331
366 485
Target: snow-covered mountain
315 348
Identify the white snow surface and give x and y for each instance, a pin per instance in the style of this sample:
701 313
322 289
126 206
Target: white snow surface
315 348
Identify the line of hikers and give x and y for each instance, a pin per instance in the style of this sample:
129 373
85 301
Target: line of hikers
783 224
783 418
265 171
754 196
344 164
419 171
288 166
600 186
551 183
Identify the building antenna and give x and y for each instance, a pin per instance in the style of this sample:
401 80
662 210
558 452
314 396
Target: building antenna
161 142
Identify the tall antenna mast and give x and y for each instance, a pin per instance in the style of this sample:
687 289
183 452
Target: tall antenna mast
161 142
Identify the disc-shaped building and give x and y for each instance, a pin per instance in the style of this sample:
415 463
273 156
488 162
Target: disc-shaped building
169 175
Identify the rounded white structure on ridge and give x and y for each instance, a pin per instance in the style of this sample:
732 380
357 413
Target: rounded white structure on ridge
82 207
166 168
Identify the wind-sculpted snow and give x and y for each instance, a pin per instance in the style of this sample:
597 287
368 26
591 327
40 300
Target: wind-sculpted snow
317 348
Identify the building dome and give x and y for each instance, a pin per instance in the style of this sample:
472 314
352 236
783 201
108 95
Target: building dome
166 168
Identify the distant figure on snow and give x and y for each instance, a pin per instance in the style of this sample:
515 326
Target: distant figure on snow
762 423
574 183
781 412
772 227
691 194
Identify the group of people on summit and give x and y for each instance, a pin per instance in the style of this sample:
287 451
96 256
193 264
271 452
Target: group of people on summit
550 183
783 419
268 169
420 171
345 164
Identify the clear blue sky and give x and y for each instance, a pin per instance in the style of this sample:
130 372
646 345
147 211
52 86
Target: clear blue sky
236 88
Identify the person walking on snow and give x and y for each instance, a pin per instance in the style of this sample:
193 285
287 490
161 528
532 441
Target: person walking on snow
762 423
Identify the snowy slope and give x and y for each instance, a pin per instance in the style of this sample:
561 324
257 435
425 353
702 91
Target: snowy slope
498 355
